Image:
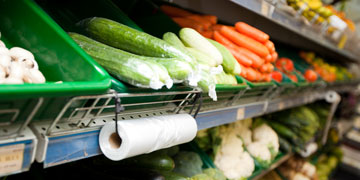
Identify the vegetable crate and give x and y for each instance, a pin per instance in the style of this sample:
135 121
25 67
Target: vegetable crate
258 91
67 69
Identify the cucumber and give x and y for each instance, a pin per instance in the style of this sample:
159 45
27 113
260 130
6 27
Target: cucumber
201 57
230 64
172 39
192 38
126 173
125 66
284 145
126 38
223 78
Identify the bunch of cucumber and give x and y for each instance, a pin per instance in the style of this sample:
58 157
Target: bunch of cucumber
145 61
297 126
133 56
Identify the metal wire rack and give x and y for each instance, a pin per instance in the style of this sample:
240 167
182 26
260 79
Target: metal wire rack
84 113
16 115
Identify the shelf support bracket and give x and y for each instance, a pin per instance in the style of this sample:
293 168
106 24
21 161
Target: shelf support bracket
334 98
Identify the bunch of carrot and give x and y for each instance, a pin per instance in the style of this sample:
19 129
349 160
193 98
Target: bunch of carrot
250 46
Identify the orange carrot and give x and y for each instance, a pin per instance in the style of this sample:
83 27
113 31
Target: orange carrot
212 19
274 56
184 22
251 74
223 40
244 41
241 58
256 60
259 76
267 77
268 58
207 34
251 32
201 21
270 67
270 45
174 11
217 27
264 68
243 71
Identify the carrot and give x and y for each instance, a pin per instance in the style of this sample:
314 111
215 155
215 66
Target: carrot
259 76
244 41
184 22
270 45
267 77
274 56
223 40
251 74
201 21
243 71
207 34
251 32
217 27
264 68
270 67
212 19
174 11
268 58
256 60
241 58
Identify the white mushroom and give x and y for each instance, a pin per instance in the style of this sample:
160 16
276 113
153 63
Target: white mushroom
33 76
17 70
2 44
18 53
4 51
29 63
5 61
12 80
2 73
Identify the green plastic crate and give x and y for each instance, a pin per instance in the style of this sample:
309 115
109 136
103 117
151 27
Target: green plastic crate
60 59
69 71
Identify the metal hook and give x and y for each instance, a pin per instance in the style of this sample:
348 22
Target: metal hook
198 97
118 109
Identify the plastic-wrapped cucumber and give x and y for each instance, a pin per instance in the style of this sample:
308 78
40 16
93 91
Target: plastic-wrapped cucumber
174 40
201 57
207 83
121 36
229 63
223 78
178 69
125 66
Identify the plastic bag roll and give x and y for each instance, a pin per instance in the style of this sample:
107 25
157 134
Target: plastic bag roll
145 135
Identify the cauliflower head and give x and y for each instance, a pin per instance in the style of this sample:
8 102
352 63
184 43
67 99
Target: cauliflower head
266 135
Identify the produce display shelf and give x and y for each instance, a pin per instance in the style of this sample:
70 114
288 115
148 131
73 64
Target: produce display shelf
17 153
225 115
74 133
272 19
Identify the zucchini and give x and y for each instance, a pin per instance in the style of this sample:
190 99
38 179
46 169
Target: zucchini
129 68
192 38
172 39
284 145
126 38
201 57
223 78
230 64
125 173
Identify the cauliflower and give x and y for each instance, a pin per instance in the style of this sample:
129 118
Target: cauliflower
231 145
245 135
261 152
265 134
233 167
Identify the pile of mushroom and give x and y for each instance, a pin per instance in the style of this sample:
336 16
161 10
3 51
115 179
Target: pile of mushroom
18 66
